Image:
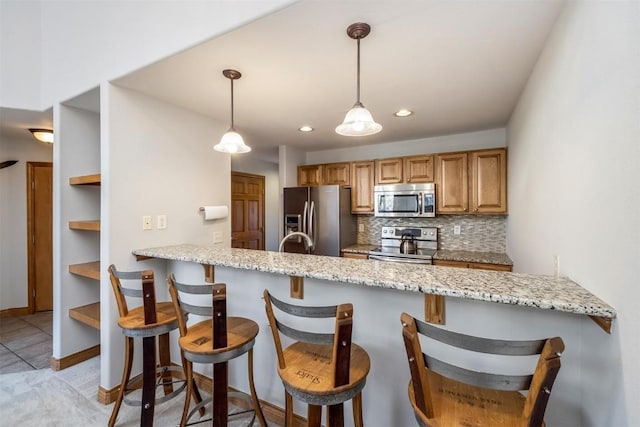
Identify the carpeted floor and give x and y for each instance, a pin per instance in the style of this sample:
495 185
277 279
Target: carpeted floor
69 398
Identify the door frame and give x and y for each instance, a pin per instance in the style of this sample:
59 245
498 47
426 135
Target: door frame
31 256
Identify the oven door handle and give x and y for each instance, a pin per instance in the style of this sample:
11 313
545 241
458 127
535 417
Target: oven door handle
399 259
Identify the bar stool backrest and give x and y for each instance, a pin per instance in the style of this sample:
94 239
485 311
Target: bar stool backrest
538 384
216 308
340 339
146 291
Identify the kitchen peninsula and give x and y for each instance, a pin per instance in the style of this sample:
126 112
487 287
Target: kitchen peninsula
529 306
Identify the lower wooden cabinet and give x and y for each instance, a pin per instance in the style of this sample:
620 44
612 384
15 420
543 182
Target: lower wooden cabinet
476 265
354 255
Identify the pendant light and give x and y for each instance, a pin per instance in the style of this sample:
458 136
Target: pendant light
358 121
232 142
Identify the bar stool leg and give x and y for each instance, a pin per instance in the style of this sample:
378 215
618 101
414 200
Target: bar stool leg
126 372
220 400
288 410
357 410
148 381
188 372
164 354
252 388
314 415
335 415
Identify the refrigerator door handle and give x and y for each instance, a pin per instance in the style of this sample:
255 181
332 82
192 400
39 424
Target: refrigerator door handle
311 214
304 218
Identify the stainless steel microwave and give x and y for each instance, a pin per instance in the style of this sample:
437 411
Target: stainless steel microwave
405 200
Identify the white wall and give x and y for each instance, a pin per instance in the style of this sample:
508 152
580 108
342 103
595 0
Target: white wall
156 160
440 144
56 49
574 188
13 216
251 164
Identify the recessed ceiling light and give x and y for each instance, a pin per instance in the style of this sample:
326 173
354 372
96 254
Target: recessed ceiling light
305 128
403 112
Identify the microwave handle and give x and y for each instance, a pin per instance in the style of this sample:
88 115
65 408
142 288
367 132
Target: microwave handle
420 204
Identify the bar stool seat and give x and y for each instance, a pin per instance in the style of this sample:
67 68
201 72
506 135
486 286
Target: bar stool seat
152 322
214 341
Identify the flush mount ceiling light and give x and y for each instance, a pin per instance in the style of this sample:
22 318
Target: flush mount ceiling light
43 135
403 112
305 128
358 121
232 141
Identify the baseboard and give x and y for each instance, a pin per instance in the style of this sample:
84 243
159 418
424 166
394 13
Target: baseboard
75 358
107 396
18 311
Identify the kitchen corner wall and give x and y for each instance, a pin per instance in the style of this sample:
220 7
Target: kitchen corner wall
477 232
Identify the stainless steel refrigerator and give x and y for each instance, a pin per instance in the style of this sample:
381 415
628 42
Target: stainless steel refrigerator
324 213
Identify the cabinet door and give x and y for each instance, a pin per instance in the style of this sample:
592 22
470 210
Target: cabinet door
445 263
452 191
362 187
489 181
354 255
418 169
309 175
389 171
336 174
493 267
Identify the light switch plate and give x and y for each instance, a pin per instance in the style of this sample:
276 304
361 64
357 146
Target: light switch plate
217 237
161 222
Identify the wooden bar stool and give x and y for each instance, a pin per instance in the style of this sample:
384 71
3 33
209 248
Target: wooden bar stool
216 340
150 321
320 369
443 394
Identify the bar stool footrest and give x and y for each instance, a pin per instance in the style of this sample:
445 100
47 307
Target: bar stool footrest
230 395
160 370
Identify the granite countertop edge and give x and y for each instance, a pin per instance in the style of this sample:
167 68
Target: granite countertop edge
529 290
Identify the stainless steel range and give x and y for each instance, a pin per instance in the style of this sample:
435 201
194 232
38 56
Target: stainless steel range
415 245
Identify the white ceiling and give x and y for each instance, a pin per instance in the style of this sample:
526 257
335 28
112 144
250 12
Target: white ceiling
459 65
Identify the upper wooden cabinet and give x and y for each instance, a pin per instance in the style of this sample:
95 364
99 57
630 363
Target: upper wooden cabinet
336 174
309 175
418 169
473 182
488 181
388 171
452 188
362 186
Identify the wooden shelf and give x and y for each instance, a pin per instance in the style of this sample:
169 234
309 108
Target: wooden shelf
87 269
93 225
88 314
85 179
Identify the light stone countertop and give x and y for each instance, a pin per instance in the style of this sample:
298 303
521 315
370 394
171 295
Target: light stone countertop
530 290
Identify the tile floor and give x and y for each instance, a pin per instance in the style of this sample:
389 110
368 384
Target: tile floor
26 342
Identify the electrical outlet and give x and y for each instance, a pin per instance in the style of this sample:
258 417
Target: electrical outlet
456 230
556 266
217 237
360 228
146 222
161 222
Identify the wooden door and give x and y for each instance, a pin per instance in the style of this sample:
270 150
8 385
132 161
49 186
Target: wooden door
452 187
39 235
362 187
389 171
489 181
247 211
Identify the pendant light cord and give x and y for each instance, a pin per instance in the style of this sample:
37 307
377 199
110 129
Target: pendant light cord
358 80
232 127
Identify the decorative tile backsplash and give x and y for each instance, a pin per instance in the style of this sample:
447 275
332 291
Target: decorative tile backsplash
485 233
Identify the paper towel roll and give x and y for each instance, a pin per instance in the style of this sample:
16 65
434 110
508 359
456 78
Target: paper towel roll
215 212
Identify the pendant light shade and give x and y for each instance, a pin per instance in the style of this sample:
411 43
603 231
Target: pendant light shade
232 142
358 121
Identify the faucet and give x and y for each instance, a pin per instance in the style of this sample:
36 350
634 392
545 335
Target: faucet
307 240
